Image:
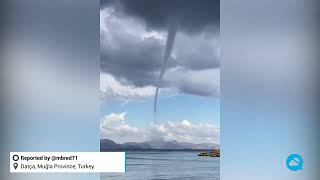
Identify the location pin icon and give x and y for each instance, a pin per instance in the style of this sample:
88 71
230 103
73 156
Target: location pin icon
15 165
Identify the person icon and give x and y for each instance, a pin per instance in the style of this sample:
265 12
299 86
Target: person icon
15 157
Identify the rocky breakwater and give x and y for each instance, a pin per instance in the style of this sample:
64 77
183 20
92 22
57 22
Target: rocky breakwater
214 153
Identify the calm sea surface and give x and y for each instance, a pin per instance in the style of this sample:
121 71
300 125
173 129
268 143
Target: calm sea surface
177 165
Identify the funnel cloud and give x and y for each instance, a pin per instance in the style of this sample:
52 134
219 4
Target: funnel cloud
172 30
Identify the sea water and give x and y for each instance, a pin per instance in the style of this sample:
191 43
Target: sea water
167 165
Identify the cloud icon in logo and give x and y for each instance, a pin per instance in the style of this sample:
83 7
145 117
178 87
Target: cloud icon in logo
294 162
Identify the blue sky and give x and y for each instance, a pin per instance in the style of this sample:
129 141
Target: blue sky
184 118
174 108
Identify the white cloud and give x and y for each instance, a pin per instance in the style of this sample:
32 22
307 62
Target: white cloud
108 119
184 131
112 126
111 88
152 34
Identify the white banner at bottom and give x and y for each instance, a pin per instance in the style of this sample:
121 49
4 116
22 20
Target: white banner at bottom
47 162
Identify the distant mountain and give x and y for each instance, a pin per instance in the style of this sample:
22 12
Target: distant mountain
106 144
111 145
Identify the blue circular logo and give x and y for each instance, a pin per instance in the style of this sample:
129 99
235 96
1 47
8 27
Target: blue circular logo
294 162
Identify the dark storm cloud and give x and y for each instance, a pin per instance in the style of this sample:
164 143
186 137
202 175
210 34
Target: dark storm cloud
136 61
131 55
192 15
